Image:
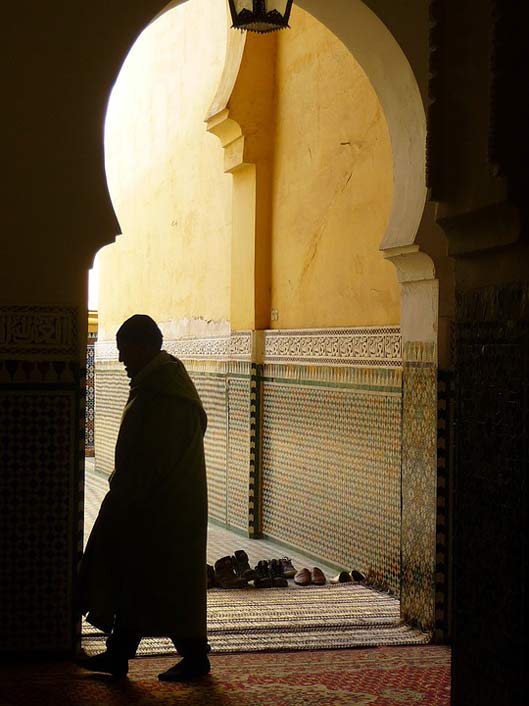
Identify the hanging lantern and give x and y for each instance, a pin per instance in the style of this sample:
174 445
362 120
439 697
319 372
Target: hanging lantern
260 15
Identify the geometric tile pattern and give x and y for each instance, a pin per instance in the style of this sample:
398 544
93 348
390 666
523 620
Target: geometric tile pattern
90 395
238 465
40 422
443 578
490 520
331 473
37 452
419 492
254 496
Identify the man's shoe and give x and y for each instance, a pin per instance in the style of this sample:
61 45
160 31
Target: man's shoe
276 572
289 570
302 578
317 577
106 663
342 577
358 576
187 670
263 578
241 565
225 575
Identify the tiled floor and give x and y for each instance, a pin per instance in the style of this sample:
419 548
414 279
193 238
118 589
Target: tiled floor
221 541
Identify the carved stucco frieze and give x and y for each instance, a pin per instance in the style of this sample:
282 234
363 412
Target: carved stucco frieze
347 346
49 333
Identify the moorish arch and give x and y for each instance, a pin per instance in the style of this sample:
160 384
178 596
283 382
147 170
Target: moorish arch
390 73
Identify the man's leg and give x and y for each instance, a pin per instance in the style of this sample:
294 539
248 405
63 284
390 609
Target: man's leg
194 663
123 642
122 645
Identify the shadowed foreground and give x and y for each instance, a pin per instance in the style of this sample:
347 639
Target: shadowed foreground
384 676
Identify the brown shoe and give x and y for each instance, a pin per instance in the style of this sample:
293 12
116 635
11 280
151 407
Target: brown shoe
225 575
241 565
317 577
302 578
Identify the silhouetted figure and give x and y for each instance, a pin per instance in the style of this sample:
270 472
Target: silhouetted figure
144 569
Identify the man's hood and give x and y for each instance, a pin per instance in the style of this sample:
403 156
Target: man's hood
166 375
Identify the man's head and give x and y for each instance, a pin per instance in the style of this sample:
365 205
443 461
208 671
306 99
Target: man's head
139 340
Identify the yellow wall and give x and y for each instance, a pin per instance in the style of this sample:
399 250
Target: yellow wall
165 175
332 187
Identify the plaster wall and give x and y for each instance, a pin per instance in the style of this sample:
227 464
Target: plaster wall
165 175
332 187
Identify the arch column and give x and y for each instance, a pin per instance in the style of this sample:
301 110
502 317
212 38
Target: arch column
419 328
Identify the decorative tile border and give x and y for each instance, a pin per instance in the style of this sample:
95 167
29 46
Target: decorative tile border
369 346
254 510
420 353
387 380
238 346
46 332
352 347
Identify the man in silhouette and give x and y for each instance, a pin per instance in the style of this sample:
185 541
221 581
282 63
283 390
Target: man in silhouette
144 569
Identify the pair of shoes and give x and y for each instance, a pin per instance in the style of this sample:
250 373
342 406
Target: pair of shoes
226 576
241 565
346 577
187 670
304 577
106 663
269 575
342 577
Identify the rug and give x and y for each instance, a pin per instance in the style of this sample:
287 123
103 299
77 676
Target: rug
314 617
386 676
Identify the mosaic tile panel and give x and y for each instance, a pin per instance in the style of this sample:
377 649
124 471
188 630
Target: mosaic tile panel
238 466
212 391
90 396
331 472
40 423
38 446
419 490
445 443
254 509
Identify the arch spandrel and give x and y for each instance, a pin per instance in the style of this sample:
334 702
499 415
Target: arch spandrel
394 81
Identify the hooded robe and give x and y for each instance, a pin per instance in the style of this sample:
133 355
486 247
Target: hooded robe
145 559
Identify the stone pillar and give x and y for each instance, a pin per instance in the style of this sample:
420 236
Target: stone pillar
419 326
